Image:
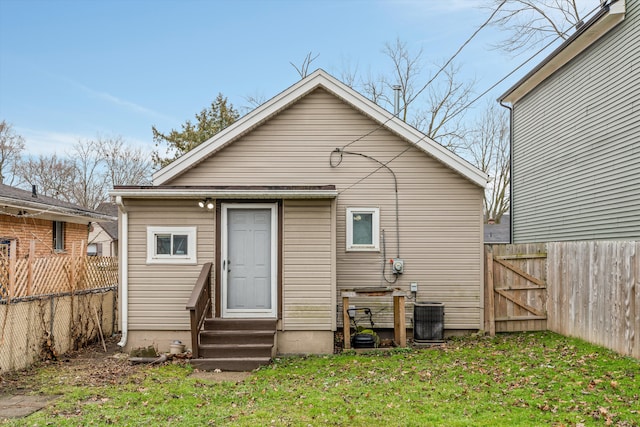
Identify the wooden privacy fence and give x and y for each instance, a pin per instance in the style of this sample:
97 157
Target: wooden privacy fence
594 293
57 274
589 290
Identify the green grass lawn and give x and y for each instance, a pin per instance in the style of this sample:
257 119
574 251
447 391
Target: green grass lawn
524 379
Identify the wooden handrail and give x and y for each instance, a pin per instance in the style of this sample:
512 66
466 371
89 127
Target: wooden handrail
199 305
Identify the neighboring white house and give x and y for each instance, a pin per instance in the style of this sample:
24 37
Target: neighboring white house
576 135
103 235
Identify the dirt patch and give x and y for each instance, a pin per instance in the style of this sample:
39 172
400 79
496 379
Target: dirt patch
91 365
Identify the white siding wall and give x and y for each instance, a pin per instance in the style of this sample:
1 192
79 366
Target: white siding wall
158 293
440 212
576 145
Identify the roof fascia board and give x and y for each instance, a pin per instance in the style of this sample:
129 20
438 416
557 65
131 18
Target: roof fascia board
602 23
166 193
321 79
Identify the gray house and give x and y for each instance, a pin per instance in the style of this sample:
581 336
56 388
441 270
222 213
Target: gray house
576 135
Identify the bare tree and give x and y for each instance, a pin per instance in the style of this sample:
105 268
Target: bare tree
87 173
407 67
303 70
11 148
255 100
375 88
89 187
51 175
532 23
442 120
436 108
124 165
488 150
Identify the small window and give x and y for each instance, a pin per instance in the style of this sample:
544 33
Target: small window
363 229
58 236
5 248
171 245
94 249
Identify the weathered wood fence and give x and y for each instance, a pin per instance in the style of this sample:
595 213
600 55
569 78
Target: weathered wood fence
589 290
27 277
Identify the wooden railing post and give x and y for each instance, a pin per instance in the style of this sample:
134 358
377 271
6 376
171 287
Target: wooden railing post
199 305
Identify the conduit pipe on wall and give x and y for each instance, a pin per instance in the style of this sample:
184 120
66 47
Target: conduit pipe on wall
124 269
510 108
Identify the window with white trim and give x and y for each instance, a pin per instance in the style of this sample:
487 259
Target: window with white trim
363 229
171 245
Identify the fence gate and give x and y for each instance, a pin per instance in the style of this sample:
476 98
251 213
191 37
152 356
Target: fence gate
515 288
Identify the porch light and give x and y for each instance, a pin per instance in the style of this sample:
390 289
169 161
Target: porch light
206 203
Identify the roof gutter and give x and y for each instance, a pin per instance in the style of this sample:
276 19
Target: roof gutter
124 269
609 16
56 210
169 193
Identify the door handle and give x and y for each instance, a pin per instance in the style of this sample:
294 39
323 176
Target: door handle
226 265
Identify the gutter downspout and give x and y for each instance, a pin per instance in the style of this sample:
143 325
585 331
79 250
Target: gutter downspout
510 108
124 271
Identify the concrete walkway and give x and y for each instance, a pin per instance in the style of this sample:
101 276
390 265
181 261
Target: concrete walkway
21 406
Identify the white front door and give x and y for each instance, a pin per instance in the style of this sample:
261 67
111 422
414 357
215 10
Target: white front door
248 260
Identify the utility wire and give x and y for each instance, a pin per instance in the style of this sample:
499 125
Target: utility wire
432 78
457 52
458 111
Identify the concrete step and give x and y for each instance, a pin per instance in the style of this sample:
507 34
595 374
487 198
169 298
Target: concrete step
213 324
210 351
242 364
237 337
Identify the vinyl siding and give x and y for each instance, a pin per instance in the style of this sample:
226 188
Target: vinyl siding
440 211
308 270
158 293
576 145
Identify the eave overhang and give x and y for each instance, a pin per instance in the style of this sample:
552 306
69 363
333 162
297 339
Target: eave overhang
28 209
225 192
600 24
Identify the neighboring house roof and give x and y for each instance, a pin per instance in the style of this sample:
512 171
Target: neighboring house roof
319 79
498 233
110 227
12 199
607 17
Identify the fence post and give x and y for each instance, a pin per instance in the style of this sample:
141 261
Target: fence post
32 254
12 269
489 286
82 266
72 269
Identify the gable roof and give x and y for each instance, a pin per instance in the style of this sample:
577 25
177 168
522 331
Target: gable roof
110 227
319 79
607 17
47 207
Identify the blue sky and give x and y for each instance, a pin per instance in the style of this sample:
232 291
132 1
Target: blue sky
72 69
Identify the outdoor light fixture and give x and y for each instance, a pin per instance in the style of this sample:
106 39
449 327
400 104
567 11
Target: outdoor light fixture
206 203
